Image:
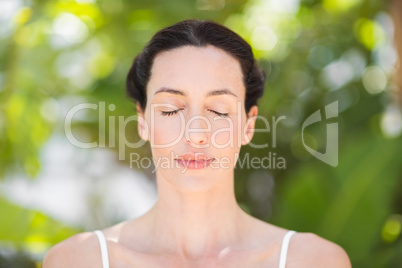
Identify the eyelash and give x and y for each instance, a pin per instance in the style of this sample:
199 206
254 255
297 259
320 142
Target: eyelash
175 112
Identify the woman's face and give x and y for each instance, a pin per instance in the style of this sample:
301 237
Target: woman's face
195 111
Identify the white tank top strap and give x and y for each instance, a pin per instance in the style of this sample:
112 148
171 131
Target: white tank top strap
103 247
284 249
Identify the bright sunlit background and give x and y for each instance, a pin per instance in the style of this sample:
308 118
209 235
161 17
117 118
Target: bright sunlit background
57 54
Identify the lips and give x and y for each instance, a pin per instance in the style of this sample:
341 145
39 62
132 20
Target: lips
195 157
194 161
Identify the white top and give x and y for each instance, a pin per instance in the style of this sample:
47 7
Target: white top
282 258
103 247
284 249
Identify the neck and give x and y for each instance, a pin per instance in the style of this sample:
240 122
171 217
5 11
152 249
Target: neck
196 224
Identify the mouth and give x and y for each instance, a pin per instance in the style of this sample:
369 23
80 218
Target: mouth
194 164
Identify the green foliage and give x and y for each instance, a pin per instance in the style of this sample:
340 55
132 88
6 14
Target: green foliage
27 230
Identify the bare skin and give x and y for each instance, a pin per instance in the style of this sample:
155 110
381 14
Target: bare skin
196 221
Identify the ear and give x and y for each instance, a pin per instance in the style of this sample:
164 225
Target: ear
250 125
142 124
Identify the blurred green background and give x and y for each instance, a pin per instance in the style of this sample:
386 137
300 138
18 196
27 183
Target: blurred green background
57 54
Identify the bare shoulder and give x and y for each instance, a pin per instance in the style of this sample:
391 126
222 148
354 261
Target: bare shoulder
311 250
80 250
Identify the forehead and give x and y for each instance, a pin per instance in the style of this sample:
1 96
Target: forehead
196 71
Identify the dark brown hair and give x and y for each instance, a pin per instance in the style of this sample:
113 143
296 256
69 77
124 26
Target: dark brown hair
198 33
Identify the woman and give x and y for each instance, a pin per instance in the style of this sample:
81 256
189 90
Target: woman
196 86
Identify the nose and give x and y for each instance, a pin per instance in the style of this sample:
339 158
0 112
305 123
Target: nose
196 130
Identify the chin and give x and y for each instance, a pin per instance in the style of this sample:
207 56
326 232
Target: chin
191 181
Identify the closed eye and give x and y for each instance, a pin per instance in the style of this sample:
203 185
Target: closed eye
175 112
170 113
220 114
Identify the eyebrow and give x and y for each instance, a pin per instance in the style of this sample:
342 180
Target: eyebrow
216 92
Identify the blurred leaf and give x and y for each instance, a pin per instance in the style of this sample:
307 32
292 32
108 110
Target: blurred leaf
29 228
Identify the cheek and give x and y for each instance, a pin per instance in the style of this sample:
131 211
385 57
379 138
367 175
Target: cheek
167 131
226 134
228 143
